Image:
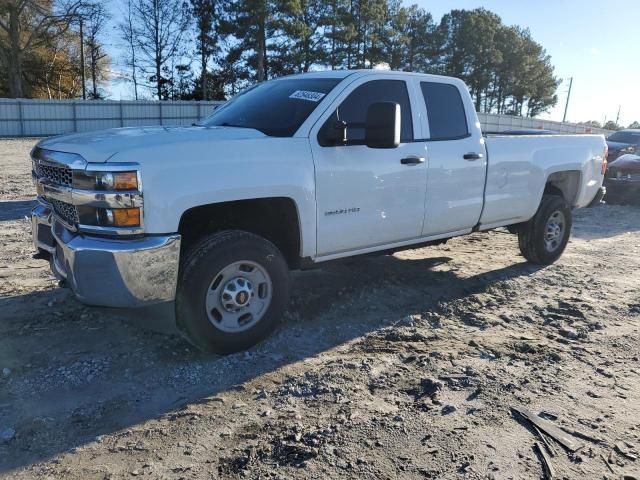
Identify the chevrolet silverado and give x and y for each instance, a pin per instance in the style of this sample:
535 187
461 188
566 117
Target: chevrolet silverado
206 221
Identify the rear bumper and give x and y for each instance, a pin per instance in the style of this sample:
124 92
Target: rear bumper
109 272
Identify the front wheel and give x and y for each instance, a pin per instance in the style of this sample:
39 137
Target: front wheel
543 238
233 289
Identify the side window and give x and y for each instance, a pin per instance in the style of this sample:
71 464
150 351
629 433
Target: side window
447 118
353 111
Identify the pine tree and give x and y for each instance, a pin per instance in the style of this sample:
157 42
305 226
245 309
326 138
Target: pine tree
206 15
250 22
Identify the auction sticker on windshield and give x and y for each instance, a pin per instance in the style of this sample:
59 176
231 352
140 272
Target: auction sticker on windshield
307 95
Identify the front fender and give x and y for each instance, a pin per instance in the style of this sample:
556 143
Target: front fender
180 178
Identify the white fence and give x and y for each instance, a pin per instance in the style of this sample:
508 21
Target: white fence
40 118
500 123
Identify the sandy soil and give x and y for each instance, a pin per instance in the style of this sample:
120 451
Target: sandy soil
403 366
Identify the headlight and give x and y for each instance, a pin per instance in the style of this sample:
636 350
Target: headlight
110 200
106 180
629 149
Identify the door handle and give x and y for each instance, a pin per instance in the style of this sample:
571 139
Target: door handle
412 160
472 156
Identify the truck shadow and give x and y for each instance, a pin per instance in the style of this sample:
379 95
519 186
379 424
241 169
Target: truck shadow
15 209
78 373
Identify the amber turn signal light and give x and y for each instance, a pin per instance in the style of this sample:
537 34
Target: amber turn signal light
126 217
125 181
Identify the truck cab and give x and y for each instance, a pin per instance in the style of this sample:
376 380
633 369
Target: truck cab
208 220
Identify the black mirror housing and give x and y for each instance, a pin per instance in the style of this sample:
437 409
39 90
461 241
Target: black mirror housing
382 127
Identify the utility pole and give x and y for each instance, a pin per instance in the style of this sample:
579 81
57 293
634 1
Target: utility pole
618 116
566 107
82 64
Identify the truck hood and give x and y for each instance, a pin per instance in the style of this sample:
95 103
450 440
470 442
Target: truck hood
98 147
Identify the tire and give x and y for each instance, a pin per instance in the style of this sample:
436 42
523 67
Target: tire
233 288
543 238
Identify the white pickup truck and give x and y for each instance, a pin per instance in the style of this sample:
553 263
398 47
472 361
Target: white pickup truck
206 221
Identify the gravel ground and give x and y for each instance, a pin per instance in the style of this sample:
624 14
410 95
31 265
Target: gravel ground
403 366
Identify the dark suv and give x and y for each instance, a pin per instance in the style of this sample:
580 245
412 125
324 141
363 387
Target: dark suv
622 142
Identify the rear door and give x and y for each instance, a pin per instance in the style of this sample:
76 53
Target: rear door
368 196
456 157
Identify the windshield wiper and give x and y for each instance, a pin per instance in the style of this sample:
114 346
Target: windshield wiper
227 124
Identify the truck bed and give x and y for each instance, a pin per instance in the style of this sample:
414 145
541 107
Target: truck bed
518 167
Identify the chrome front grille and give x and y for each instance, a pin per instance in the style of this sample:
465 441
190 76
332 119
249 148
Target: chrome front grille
60 175
64 210
53 175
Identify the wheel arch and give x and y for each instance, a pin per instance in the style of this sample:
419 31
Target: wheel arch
564 183
275 218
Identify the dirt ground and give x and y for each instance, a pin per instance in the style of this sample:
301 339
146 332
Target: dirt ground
403 366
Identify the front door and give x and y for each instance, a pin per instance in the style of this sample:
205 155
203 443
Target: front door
367 196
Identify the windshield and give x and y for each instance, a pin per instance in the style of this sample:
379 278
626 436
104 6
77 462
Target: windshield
277 108
625 137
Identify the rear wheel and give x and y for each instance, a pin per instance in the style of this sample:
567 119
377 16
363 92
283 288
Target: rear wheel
543 238
232 290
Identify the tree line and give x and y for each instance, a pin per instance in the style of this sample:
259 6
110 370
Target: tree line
610 124
210 49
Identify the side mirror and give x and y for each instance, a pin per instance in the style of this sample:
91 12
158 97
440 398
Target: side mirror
339 133
382 127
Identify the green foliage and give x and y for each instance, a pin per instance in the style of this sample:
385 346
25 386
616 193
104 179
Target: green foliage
611 125
591 123
409 40
250 23
505 69
635 124
207 15
229 44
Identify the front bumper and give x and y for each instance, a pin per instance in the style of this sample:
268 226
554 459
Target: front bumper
109 272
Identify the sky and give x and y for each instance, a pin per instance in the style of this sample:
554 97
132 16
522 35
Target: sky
595 42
